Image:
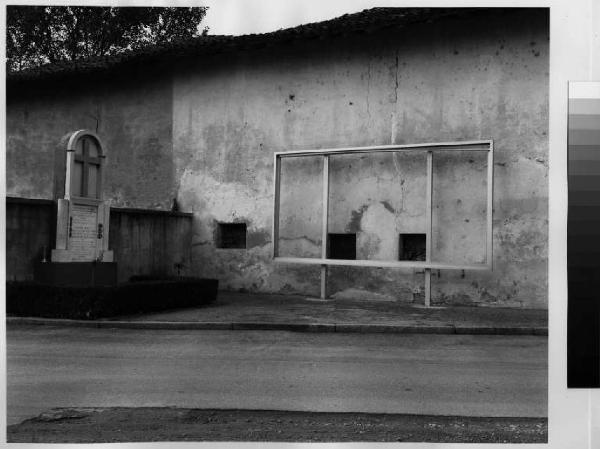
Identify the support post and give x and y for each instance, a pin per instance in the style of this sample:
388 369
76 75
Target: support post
489 256
427 287
429 227
325 225
276 199
323 281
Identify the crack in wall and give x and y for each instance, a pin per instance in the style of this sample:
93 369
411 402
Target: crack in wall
396 82
368 90
394 125
388 206
95 117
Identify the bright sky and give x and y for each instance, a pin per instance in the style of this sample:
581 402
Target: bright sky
260 16
236 17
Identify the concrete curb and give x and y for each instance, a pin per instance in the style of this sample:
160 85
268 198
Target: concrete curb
293 327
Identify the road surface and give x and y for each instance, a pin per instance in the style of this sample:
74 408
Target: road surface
464 375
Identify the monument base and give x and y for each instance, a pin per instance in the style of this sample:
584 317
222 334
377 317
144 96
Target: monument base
76 274
67 255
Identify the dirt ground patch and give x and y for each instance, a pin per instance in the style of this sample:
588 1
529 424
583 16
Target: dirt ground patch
86 425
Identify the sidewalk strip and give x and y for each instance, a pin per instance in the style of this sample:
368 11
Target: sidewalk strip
292 327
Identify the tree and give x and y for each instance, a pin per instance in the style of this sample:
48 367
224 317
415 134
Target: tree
38 35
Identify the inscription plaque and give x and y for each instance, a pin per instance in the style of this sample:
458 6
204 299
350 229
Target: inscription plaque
83 233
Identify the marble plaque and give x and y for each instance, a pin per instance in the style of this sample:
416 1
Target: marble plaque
83 233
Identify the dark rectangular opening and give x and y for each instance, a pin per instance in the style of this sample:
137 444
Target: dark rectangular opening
412 247
341 246
231 235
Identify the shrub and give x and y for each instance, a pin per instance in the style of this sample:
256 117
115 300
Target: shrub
34 299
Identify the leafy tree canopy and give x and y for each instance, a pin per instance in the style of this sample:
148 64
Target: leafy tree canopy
38 35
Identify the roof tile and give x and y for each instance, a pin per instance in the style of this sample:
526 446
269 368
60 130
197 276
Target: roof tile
368 21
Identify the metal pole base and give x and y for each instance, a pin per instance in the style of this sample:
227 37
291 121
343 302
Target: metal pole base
427 287
323 281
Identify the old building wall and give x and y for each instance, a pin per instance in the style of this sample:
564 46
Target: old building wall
150 242
30 234
207 137
133 117
463 79
145 242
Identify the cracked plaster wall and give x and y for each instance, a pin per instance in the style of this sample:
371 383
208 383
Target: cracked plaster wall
460 80
207 136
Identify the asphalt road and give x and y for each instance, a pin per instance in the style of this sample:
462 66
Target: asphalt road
464 375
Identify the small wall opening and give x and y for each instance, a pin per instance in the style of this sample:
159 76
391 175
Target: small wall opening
341 246
412 247
231 235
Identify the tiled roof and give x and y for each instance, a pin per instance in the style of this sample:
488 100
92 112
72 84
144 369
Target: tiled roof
367 21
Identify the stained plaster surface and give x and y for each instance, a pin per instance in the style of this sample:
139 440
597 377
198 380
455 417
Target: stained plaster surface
206 136
462 80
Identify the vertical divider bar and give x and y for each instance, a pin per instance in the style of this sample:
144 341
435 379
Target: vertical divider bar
489 257
324 230
276 199
429 227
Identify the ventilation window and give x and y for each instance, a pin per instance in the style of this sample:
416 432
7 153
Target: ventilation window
412 247
231 235
341 246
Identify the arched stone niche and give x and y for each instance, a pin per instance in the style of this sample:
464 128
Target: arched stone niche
83 217
84 167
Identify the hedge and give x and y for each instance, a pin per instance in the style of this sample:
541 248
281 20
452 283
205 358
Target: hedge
89 303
